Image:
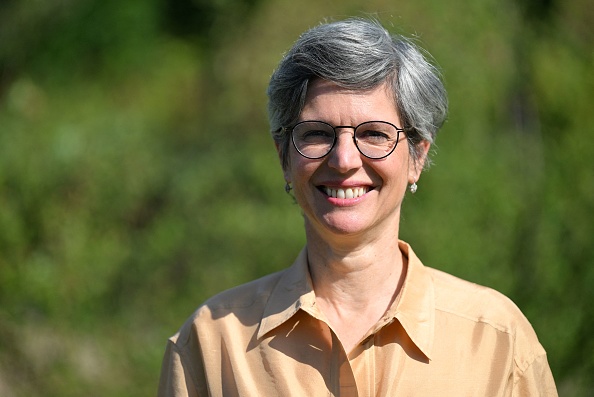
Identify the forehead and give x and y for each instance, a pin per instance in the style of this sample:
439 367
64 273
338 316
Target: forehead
326 101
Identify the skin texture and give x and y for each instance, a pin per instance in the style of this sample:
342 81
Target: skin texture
379 210
352 244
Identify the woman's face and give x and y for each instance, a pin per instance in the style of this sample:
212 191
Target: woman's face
381 183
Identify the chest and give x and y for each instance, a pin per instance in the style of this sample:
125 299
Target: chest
303 357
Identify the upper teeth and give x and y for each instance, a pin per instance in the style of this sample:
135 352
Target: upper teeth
346 193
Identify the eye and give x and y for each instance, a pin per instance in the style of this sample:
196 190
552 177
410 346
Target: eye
373 136
315 133
377 134
312 136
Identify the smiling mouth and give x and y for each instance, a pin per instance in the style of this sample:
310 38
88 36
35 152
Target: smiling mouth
348 193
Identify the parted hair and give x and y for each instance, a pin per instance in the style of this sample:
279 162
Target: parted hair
358 54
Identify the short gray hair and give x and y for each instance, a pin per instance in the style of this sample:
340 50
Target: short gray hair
358 54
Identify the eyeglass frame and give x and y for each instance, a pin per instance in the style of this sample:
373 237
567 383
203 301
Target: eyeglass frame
354 128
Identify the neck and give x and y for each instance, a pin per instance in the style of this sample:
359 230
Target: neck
353 273
355 281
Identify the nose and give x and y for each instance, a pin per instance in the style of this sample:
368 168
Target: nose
345 156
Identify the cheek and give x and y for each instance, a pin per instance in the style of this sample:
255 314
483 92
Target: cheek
395 173
400 161
298 168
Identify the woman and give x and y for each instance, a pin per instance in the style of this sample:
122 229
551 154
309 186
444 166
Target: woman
353 113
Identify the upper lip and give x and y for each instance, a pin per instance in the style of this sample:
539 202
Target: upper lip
345 184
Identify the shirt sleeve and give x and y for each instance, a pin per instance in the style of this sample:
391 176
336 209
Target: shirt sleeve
536 380
176 378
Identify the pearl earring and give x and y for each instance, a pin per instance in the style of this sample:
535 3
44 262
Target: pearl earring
288 187
413 187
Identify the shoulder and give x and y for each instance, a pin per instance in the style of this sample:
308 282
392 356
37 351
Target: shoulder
245 295
486 306
475 302
487 319
243 304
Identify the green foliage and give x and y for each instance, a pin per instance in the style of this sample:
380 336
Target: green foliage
138 178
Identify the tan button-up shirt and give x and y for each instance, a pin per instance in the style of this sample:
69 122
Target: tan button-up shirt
441 337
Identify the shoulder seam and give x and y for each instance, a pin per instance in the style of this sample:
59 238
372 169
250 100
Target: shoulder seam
478 320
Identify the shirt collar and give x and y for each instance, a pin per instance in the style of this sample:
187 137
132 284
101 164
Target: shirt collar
415 305
413 308
292 292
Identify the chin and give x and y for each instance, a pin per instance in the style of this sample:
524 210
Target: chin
344 225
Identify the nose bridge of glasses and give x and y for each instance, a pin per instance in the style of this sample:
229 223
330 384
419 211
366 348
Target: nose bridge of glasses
338 147
345 127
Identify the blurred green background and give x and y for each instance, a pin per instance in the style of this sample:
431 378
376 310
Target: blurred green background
138 177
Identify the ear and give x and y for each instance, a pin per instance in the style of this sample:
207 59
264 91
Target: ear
280 158
416 166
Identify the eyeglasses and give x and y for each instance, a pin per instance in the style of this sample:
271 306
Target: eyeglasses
374 139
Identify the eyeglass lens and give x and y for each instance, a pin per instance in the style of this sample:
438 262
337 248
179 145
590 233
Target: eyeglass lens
374 139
